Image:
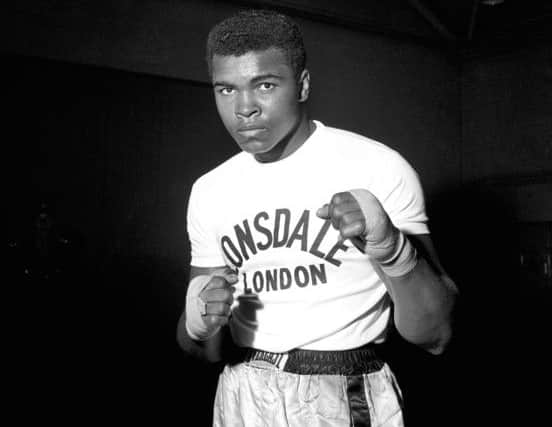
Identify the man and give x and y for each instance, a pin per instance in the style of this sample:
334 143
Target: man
307 247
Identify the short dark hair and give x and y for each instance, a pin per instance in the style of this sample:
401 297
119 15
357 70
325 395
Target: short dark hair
257 30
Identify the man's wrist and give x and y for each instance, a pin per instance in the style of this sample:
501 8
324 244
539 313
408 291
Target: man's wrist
196 309
402 260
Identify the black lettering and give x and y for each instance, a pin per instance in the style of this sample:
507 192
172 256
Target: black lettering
245 238
225 241
272 280
246 289
262 230
318 273
337 247
301 231
319 237
285 282
305 280
280 241
258 281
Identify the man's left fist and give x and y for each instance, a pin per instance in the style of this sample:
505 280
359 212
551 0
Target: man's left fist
359 216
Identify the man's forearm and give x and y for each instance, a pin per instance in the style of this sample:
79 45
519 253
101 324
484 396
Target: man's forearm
424 302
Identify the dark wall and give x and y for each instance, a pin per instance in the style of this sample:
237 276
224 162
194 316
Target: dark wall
506 111
494 237
500 239
94 301
95 295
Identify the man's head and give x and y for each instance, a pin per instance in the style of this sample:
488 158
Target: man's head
257 30
257 66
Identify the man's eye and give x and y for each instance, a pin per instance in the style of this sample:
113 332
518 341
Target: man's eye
226 91
266 86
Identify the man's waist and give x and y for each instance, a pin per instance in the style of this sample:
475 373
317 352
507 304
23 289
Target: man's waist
362 360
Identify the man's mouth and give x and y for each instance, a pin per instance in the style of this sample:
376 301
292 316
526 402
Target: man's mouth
251 131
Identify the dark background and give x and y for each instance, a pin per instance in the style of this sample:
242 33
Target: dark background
108 119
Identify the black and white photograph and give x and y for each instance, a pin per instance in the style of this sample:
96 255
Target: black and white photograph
278 213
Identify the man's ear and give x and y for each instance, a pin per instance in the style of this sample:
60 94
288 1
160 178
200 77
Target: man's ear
304 85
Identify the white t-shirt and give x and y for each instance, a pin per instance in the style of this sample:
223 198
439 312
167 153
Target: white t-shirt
299 287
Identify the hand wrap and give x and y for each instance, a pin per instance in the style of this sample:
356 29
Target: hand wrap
404 257
195 309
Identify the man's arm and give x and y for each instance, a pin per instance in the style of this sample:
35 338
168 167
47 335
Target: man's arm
216 295
421 291
424 299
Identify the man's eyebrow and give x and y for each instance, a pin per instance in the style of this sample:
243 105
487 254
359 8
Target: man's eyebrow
254 80
266 76
222 83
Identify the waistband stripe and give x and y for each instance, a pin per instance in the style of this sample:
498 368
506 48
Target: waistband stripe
363 360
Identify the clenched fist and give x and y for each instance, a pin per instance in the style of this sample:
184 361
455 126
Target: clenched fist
218 296
359 216
208 302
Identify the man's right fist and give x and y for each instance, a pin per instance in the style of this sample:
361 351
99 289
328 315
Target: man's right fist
217 297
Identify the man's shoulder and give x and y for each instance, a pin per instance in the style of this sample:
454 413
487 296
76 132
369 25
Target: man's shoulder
353 143
365 154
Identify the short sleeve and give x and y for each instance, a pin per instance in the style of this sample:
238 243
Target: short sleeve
402 196
202 229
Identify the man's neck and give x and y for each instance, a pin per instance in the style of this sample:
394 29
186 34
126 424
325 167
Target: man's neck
291 143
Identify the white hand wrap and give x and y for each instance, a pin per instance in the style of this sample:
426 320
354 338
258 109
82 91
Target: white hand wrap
403 259
196 308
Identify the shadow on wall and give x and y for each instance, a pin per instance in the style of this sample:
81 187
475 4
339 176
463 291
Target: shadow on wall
499 356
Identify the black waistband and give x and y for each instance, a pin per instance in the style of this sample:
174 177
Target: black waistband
362 360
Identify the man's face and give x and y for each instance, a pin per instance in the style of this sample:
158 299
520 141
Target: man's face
259 100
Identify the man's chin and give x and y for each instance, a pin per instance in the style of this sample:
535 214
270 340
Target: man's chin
254 147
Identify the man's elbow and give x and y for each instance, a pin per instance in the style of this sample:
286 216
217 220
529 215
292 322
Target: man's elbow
431 333
439 342
438 347
442 320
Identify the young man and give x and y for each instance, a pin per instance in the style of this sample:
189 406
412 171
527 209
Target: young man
301 245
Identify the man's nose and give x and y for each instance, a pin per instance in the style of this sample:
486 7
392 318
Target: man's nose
247 105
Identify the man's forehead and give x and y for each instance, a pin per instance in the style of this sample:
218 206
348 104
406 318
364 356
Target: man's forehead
270 51
251 62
